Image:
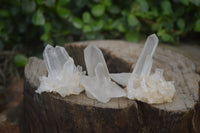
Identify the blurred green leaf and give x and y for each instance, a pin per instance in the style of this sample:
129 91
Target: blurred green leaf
154 12
28 6
181 24
44 37
132 36
121 27
77 23
132 20
166 37
38 18
63 2
98 25
39 2
113 9
20 60
86 29
116 23
106 2
47 27
196 2
49 3
62 12
144 7
80 3
166 7
90 36
109 25
98 10
86 17
4 13
185 2
197 26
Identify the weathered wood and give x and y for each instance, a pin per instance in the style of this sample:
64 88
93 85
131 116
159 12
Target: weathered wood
50 112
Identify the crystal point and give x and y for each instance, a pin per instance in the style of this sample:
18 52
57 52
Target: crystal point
143 64
93 56
98 83
54 59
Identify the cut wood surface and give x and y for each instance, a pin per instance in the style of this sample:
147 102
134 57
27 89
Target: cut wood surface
49 112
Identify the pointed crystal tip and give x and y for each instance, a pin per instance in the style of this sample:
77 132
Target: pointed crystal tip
153 36
93 56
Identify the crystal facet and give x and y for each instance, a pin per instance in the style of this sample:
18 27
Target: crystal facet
63 76
120 78
98 83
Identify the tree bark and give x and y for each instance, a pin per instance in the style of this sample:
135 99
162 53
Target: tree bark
49 112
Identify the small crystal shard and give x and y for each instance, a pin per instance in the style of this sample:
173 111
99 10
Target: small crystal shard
63 76
98 83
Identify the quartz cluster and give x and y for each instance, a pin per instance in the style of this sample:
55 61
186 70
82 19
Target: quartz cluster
66 79
140 84
63 76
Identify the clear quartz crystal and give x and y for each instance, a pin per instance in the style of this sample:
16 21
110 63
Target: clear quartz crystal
93 56
98 84
140 84
145 87
144 63
63 76
54 59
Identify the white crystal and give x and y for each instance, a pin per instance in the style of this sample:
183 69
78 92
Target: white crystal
152 89
54 59
93 56
144 63
63 76
98 83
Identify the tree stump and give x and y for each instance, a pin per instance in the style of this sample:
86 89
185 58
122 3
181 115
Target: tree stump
51 113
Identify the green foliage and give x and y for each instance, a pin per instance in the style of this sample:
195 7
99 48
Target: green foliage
38 18
98 10
26 24
20 60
